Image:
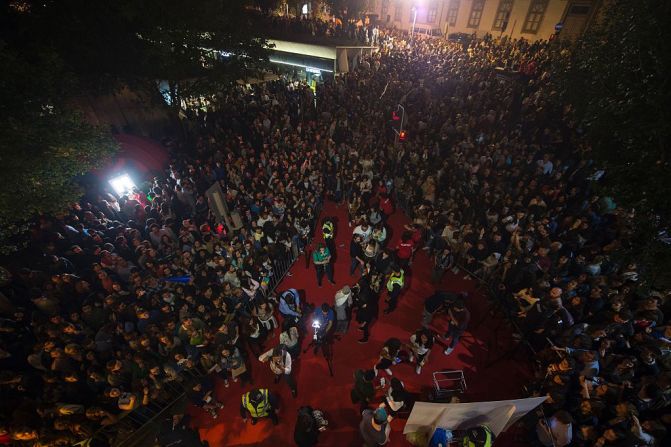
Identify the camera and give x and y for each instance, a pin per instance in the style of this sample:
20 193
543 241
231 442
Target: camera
316 324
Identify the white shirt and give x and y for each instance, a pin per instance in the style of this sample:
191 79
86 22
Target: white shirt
365 234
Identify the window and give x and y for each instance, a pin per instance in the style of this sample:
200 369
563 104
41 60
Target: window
452 12
476 13
502 15
397 12
535 16
432 13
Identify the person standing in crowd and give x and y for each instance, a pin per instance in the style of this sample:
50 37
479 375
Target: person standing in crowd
290 338
364 231
405 249
328 232
557 431
322 260
309 424
421 343
259 403
290 306
356 254
202 395
395 398
388 355
395 284
367 306
343 303
437 303
459 317
363 392
323 320
280 364
375 427
443 261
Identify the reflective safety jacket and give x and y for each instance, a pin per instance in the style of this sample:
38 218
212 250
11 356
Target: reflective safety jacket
395 280
489 439
327 229
262 409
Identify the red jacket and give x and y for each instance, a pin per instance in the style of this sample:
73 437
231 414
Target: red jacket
404 250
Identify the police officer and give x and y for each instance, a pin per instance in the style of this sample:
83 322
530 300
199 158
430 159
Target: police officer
328 231
259 403
395 284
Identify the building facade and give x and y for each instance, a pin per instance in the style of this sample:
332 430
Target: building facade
531 19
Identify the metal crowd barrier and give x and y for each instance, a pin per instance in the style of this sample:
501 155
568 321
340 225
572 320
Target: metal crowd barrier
133 426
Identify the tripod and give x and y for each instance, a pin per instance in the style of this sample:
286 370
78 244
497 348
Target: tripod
325 343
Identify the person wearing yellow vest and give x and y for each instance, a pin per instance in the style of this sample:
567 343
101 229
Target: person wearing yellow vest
395 284
328 231
259 403
480 436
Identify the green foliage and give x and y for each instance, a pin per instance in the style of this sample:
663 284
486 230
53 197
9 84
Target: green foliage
52 50
138 42
617 79
43 144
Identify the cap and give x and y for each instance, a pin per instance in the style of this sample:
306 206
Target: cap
380 416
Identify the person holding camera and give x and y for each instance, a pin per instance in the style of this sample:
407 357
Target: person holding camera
322 322
280 364
290 306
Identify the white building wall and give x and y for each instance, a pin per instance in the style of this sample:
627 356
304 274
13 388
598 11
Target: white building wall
555 13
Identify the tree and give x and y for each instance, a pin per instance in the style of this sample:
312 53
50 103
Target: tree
139 42
53 50
617 80
44 145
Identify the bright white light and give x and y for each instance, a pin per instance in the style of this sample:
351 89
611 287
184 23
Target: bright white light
122 184
305 9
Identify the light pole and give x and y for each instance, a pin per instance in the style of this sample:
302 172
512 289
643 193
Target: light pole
414 20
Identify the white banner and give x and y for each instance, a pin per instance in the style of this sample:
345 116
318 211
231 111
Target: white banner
497 415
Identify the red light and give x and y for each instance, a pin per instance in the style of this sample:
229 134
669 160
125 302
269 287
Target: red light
401 135
394 116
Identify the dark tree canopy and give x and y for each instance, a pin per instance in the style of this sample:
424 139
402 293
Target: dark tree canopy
617 80
53 50
137 42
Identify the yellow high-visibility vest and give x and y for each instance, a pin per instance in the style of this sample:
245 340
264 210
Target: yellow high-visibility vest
394 280
488 439
262 409
327 229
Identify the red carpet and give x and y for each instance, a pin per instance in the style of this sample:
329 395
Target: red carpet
503 380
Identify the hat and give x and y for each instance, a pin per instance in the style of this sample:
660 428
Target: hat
380 416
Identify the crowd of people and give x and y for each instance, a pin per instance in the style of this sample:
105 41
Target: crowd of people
315 28
126 295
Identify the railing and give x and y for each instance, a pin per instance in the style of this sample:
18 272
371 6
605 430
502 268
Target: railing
134 426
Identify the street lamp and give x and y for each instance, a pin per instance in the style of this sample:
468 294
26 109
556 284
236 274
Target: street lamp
414 20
